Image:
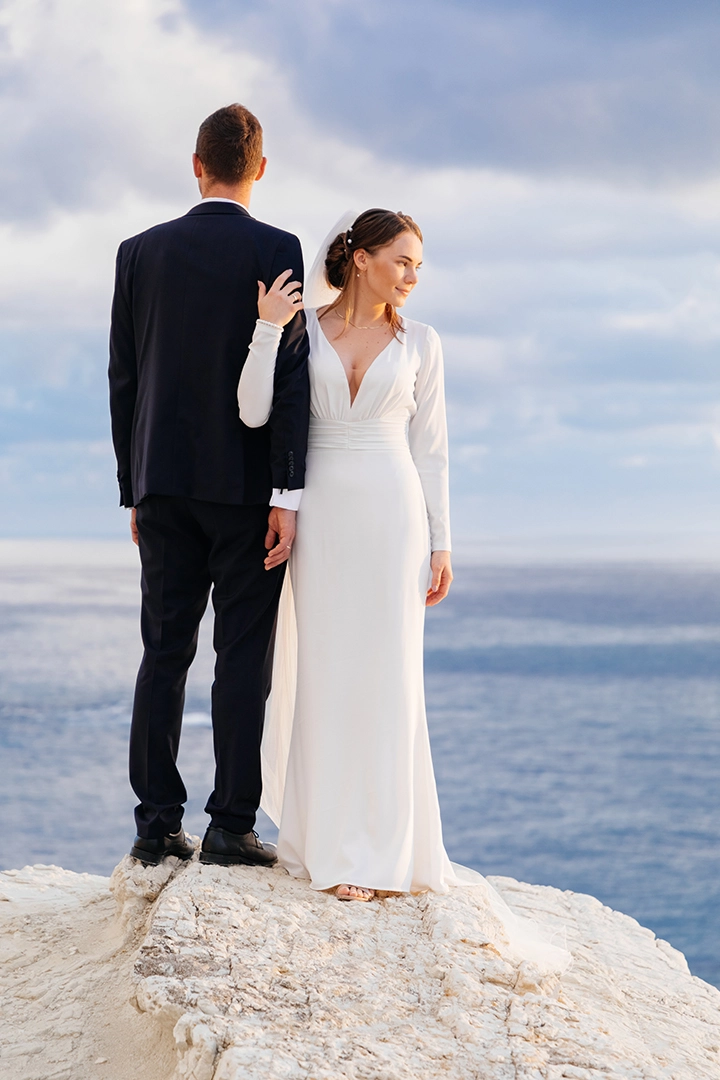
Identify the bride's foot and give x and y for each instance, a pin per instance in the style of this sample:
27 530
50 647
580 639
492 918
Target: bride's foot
354 892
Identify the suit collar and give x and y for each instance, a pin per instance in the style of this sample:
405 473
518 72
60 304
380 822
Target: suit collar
209 206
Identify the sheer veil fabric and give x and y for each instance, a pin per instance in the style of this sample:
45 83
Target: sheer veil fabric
347 770
317 292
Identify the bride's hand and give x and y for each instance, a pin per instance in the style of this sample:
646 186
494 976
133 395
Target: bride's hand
442 575
279 303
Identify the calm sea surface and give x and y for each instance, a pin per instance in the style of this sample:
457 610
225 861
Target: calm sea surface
574 713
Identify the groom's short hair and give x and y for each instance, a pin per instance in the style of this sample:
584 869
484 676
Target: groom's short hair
229 144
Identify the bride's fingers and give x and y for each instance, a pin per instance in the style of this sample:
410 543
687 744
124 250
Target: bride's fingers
282 301
434 597
280 280
437 573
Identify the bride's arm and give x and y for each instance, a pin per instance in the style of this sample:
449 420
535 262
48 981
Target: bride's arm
429 442
255 389
276 308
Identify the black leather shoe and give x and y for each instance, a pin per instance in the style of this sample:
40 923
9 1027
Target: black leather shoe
152 852
227 849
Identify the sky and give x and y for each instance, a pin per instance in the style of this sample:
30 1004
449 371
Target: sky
562 159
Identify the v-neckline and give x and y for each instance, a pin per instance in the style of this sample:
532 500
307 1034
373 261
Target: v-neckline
339 360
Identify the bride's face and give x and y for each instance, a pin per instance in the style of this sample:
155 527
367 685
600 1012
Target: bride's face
391 274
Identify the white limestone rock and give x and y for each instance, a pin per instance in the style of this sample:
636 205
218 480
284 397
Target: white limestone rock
135 888
52 885
242 974
66 979
264 979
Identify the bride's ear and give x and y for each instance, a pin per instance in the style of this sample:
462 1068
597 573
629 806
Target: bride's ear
360 259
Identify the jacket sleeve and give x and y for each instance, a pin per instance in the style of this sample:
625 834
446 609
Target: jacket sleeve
122 375
290 415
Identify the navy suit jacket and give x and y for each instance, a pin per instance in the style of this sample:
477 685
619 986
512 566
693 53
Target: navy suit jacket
183 316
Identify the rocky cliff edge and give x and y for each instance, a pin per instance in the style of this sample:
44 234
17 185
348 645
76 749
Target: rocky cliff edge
190 972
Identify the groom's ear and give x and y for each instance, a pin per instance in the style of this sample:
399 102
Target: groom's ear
197 166
261 170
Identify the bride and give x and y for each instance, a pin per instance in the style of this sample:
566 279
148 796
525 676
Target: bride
359 811
347 771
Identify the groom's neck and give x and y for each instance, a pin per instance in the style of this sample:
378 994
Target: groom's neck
240 193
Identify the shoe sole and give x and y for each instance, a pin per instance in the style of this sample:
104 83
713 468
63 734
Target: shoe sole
231 860
147 859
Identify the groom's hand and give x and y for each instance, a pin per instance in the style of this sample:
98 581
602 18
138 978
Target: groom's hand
280 536
133 526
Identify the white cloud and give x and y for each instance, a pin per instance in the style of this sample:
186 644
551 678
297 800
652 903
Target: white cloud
100 109
635 461
693 317
101 97
553 295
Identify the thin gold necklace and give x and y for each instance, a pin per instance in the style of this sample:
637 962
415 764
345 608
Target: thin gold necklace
378 327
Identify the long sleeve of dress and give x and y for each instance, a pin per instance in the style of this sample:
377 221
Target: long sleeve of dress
429 443
255 393
255 389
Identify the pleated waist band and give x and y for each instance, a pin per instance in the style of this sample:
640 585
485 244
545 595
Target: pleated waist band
390 434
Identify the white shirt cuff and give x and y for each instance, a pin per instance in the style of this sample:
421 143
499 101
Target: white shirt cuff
286 500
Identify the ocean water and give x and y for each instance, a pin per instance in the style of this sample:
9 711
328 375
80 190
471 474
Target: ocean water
574 713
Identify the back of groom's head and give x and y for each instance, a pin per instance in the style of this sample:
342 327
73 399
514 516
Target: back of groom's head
229 145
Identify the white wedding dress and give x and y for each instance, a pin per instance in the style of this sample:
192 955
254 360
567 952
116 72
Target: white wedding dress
359 803
347 769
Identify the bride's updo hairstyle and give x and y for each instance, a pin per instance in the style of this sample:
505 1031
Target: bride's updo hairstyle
372 230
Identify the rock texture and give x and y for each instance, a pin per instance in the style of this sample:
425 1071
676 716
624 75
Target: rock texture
264 979
66 979
245 974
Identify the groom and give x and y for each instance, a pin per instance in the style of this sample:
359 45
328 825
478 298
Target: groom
213 502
